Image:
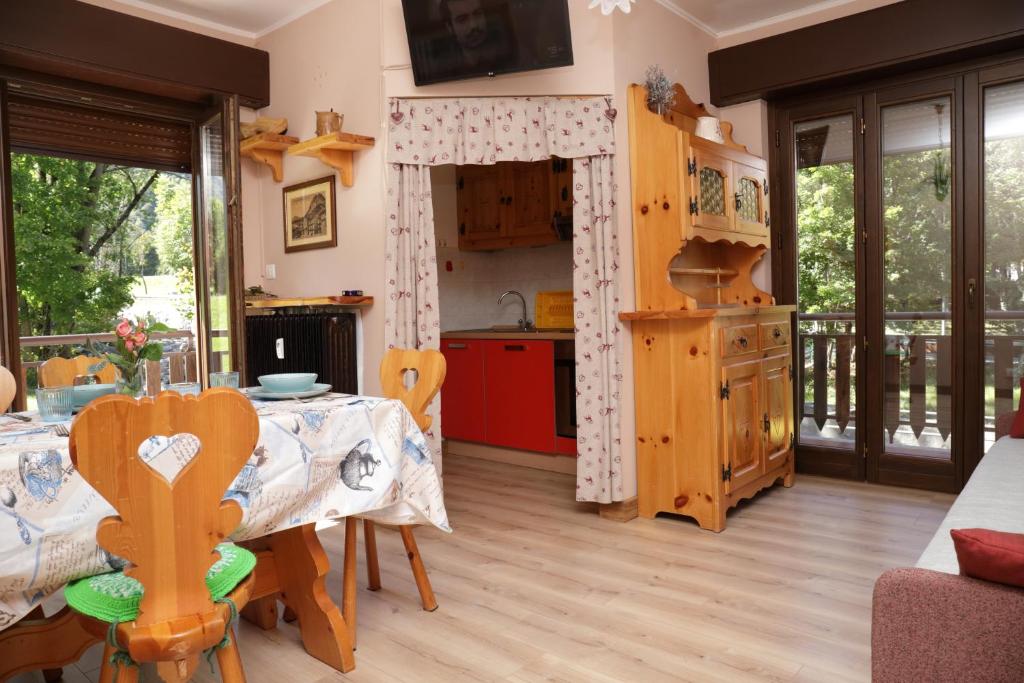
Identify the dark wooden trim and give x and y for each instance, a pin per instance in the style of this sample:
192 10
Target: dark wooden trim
10 345
76 40
235 250
896 38
813 458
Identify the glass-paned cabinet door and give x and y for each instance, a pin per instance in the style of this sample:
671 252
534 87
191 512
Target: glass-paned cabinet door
711 193
751 202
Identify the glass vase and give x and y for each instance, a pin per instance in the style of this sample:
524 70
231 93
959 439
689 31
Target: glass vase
132 382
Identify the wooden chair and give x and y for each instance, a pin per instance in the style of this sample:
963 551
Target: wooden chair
8 388
168 530
61 372
429 367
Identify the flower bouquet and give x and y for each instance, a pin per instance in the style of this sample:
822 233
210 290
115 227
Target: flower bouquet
133 348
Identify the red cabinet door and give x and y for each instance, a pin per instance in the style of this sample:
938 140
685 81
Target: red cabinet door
462 395
519 386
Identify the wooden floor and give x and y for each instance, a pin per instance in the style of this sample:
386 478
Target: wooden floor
535 587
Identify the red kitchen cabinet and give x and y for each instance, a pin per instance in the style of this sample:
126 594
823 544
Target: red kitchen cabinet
519 389
462 395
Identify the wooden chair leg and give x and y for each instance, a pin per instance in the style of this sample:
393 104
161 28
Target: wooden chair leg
372 564
348 594
262 612
230 662
419 572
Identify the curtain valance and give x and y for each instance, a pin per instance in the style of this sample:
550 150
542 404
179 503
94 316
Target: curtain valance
486 130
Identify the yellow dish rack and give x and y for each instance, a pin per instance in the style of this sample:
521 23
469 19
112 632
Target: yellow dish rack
553 311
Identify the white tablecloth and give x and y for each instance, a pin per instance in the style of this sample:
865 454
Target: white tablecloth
331 457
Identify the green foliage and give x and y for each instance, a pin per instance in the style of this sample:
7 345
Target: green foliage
826 238
84 231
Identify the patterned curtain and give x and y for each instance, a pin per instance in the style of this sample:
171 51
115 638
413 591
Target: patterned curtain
430 132
410 308
598 334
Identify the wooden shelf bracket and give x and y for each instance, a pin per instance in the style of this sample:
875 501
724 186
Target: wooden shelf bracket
335 150
268 148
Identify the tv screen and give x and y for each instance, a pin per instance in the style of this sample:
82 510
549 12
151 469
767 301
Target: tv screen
454 39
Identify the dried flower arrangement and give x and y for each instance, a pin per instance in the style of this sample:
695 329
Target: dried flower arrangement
660 93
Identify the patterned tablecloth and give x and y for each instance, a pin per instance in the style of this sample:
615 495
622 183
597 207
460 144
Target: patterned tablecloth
316 460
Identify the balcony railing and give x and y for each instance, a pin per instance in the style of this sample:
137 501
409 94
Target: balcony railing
917 374
177 365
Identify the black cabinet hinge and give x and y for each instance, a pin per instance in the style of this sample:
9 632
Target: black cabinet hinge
462 228
778 138
766 423
792 441
691 167
726 472
767 220
765 188
790 373
723 390
694 209
461 183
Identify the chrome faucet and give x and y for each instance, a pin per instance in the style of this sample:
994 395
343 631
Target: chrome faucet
524 323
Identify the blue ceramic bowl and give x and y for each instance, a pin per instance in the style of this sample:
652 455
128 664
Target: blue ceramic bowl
83 393
287 382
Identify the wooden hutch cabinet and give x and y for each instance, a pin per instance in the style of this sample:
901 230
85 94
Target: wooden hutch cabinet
712 353
513 204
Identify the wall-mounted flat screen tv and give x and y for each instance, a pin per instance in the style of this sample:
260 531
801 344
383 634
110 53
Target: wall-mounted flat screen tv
454 39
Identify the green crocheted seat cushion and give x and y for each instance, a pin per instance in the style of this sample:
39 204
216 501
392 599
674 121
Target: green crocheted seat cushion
115 597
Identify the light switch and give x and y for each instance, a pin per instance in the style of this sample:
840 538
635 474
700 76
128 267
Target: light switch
271 271
279 346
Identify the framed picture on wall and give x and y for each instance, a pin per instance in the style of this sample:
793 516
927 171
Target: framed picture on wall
310 219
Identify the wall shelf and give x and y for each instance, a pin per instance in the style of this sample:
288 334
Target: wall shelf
268 148
336 150
340 301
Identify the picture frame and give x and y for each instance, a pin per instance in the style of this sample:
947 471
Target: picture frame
310 215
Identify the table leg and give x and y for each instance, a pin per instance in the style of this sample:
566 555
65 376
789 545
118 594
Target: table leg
302 567
348 581
43 644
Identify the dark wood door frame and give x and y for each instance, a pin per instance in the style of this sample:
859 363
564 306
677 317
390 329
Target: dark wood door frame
966 82
814 459
886 468
10 344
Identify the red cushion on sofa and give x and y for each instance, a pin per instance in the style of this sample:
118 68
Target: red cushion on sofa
996 556
1017 428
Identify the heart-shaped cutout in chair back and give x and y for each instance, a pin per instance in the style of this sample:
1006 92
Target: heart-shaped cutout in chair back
168 455
409 378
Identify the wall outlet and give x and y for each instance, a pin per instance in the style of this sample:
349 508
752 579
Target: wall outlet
271 271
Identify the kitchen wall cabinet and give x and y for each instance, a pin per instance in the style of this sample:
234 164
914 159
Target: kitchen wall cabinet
726 191
462 397
512 204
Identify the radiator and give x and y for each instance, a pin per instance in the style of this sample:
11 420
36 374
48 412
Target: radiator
320 342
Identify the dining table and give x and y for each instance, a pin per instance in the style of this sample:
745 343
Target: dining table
317 460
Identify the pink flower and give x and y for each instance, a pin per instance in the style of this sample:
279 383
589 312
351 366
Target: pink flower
129 344
123 328
140 338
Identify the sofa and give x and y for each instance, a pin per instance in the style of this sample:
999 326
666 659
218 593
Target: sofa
929 624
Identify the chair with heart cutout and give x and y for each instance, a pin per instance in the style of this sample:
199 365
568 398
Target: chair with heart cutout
183 585
427 368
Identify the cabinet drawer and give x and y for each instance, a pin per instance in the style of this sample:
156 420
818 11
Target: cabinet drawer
774 335
739 340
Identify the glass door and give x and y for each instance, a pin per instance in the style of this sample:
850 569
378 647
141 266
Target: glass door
913 329
218 243
826 217
1002 218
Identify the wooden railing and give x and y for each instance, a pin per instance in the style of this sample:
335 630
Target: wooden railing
918 365
181 364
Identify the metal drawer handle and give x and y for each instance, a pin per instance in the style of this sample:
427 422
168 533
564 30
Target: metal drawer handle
776 333
742 342
515 347
458 346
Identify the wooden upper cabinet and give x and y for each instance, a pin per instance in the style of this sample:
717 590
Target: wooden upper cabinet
750 195
479 196
528 199
511 204
711 190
